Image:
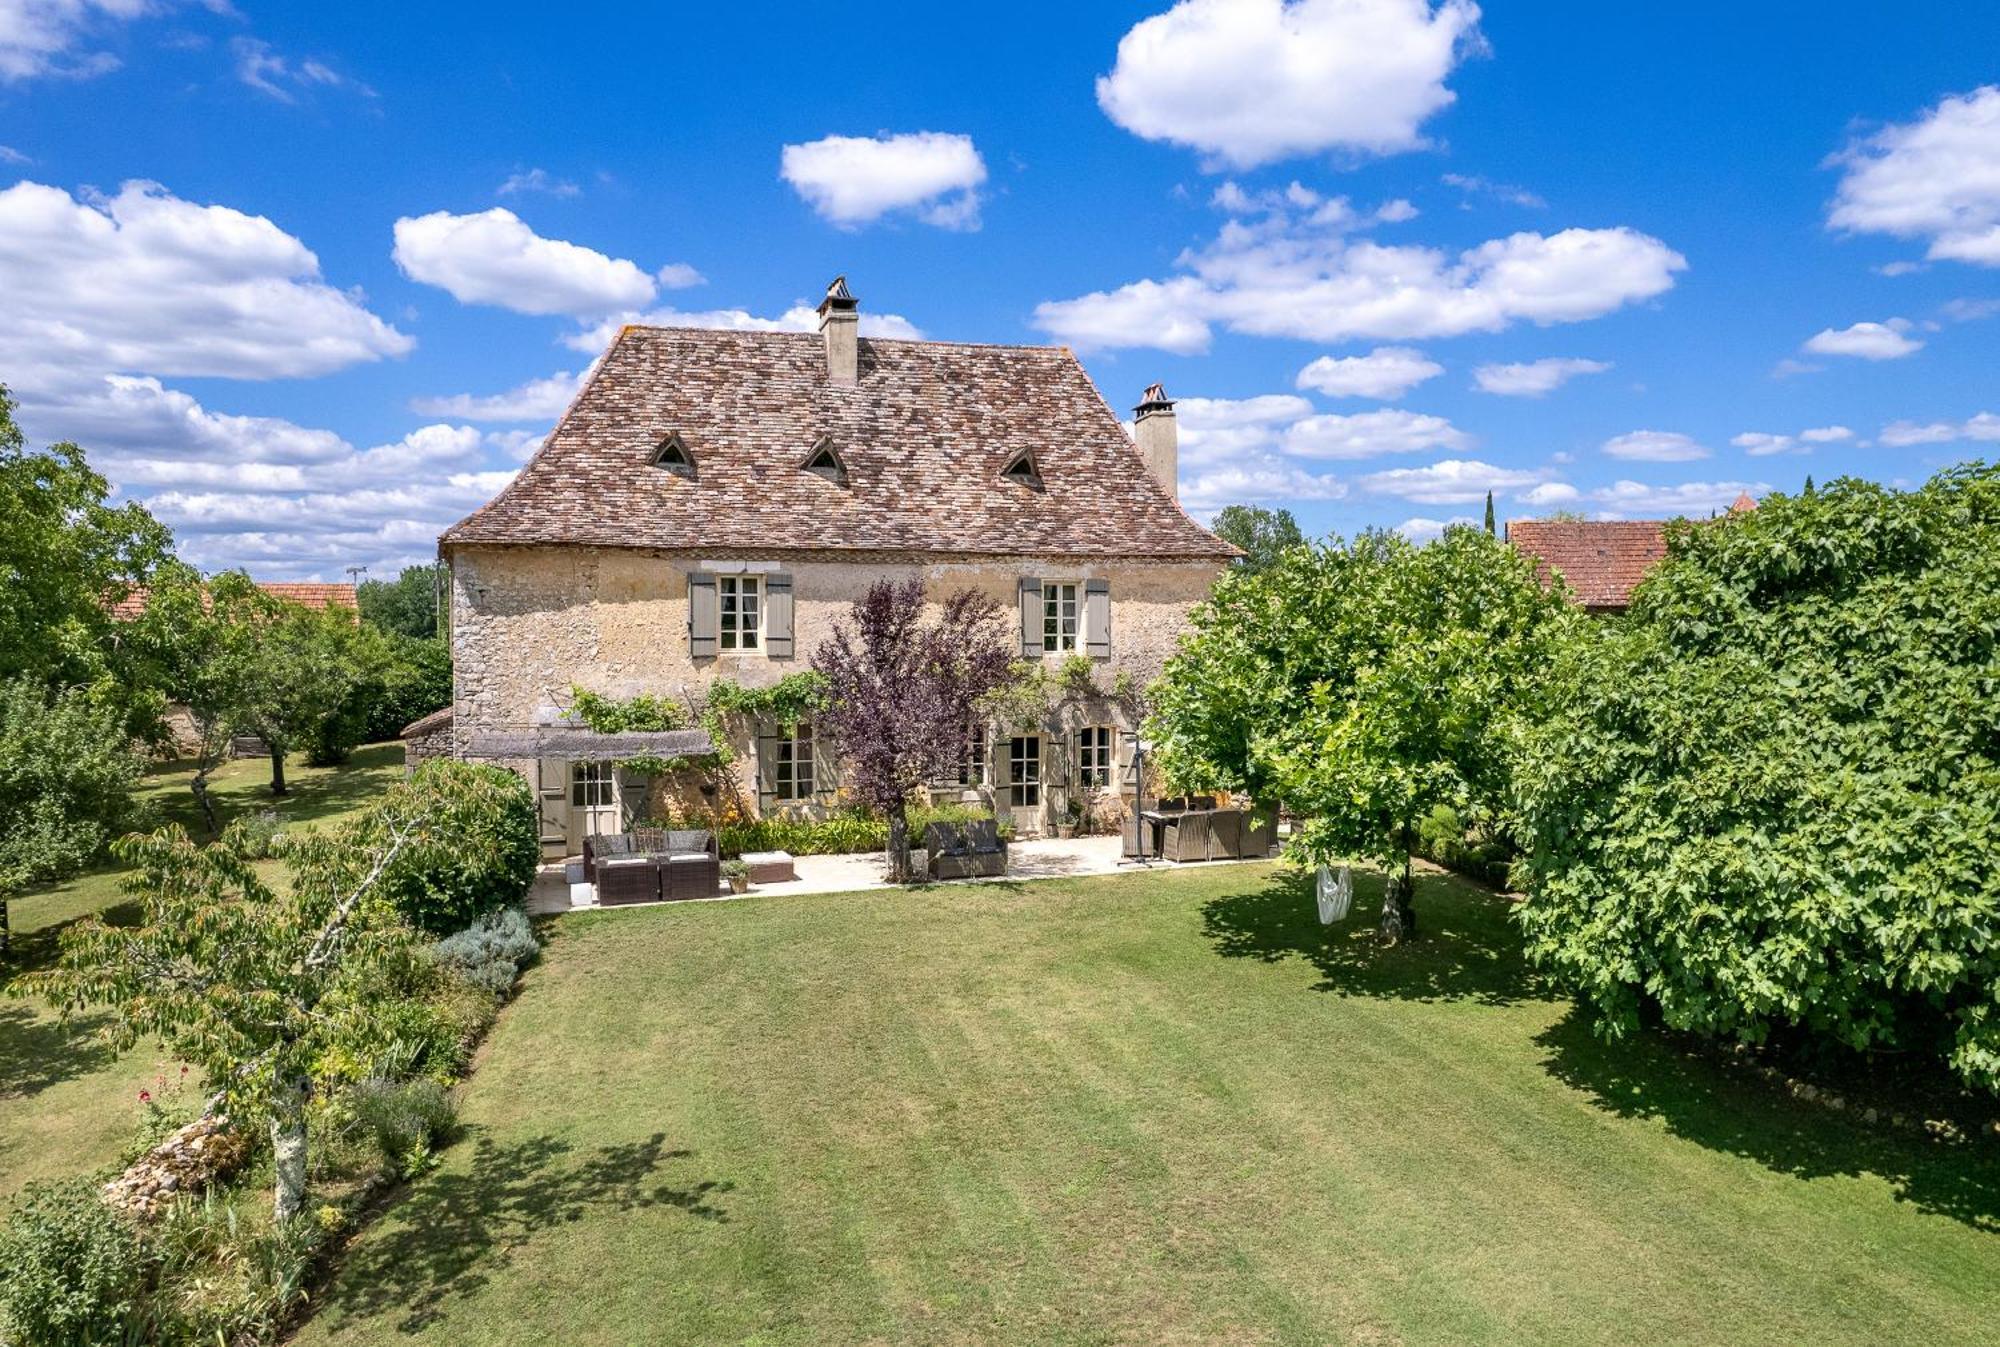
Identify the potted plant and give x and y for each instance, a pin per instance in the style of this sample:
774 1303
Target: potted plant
737 872
1075 818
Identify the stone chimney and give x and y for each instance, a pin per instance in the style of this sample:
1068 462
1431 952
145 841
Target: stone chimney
1158 439
839 324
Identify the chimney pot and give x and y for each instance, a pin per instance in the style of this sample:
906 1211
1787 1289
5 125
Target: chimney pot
1158 437
840 325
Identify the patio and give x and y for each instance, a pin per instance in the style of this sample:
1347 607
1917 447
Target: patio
563 888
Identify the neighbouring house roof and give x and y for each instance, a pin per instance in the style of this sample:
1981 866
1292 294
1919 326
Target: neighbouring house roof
922 438
434 723
1601 561
312 594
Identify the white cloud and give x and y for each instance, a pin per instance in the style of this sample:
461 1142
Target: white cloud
1474 185
38 37
1216 430
1936 178
261 67
801 317
1532 379
1655 446
1385 373
1421 530
1867 341
1396 212
1826 434
1366 434
1251 81
1254 477
10 155
1452 481
536 180
1985 427
493 258
679 276
1550 493
854 180
1296 273
535 400
1637 500
144 282
1759 443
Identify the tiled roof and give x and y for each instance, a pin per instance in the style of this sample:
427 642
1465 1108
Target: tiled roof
1602 562
923 435
310 594
430 724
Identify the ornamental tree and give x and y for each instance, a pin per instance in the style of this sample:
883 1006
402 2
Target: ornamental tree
1262 534
900 691
1360 686
1768 802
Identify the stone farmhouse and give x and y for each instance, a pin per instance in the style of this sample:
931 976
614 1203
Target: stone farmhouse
713 501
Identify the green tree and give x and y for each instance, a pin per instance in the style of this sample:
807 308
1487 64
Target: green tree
67 772
1262 534
65 555
1490 528
1362 686
286 671
254 983
406 605
1768 801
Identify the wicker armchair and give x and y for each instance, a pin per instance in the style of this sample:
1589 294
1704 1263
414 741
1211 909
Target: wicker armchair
1201 802
691 866
1260 833
627 879
1225 834
1186 838
989 848
950 855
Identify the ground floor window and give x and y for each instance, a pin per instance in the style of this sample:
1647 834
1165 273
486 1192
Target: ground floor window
793 765
1093 756
590 784
1024 771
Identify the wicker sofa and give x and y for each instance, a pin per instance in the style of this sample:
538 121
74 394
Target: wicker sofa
975 851
648 865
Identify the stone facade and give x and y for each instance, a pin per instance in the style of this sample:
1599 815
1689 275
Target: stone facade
527 623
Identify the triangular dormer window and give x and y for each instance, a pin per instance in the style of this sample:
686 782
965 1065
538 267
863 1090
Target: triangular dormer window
1021 469
825 461
673 456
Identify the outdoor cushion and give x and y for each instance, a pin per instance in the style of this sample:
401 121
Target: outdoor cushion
983 834
689 841
614 844
944 839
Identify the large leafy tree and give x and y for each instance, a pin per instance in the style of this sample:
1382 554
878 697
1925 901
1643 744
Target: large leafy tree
1769 800
1361 686
287 670
901 689
406 605
1262 534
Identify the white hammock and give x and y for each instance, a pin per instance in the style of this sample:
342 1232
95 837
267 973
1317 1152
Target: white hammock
1336 894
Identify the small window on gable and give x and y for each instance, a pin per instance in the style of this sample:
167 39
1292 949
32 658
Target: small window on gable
1021 468
673 456
826 462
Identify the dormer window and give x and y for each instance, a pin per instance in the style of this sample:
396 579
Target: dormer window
1021 469
825 461
673 456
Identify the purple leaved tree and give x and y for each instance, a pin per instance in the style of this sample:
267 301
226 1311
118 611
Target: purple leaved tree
901 691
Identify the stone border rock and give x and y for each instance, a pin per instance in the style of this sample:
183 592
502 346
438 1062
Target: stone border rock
189 1160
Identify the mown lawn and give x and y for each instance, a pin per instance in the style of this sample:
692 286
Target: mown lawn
68 1104
1149 1108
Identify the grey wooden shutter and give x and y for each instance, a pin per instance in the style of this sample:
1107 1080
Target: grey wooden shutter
552 800
826 767
767 772
1031 619
1097 619
778 615
704 616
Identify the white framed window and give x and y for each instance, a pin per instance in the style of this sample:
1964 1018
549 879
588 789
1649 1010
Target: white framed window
1093 756
590 784
1024 771
792 765
1061 610
741 601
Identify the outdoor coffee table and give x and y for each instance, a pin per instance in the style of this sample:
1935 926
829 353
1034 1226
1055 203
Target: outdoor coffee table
769 867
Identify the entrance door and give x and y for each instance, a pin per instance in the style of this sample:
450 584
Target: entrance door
1023 787
593 801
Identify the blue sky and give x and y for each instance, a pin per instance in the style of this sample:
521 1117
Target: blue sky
1624 260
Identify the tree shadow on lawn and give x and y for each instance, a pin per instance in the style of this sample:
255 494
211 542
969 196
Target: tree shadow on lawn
1704 1100
457 1230
1468 948
38 1050
312 794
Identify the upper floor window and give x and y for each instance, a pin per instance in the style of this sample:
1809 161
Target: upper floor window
673 456
1093 756
792 768
741 603
1059 615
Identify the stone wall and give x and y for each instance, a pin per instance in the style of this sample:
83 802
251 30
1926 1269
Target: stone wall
527 623
189 1160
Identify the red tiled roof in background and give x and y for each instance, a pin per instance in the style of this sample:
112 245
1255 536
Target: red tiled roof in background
1601 561
308 593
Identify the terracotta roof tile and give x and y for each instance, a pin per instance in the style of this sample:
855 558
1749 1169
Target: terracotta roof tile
924 435
311 594
1602 561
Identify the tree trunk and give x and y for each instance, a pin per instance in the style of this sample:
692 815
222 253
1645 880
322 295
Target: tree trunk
899 844
288 1148
277 770
200 788
1399 917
